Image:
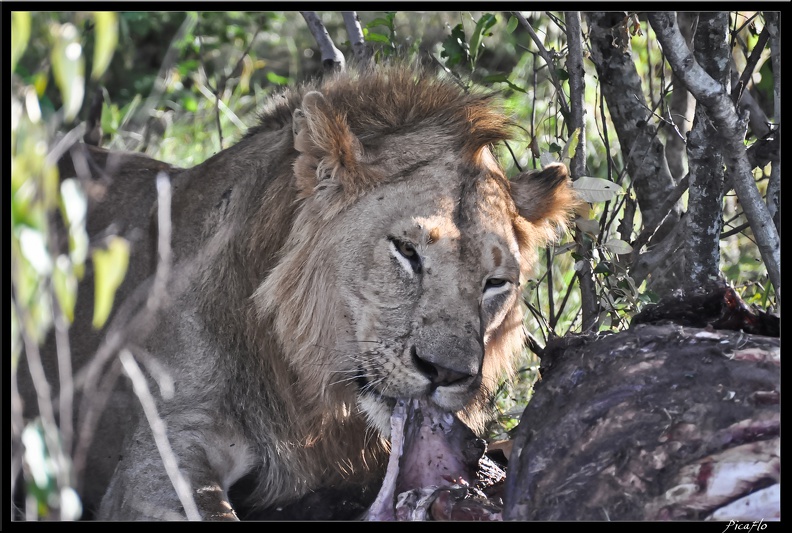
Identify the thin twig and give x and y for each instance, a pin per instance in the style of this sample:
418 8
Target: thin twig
751 64
180 484
665 210
214 90
142 115
549 60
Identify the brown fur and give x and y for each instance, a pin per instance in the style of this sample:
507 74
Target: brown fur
296 321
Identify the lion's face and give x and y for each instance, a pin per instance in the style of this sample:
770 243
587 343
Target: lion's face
401 274
425 280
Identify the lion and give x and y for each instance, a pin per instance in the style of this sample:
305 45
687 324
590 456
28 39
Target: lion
361 244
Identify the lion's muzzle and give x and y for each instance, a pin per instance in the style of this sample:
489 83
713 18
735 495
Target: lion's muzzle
445 373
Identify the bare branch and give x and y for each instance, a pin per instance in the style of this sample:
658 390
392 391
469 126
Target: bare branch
549 60
332 58
772 196
577 97
757 119
360 49
664 210
680 108
577 90
180 484
730 127
705 161
751 65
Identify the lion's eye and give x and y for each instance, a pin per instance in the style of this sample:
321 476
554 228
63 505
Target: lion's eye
406 254
495 286
406 249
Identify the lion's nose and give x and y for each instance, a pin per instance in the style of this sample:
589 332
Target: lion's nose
439 375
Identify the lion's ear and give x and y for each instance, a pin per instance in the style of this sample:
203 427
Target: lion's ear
545 198
330 154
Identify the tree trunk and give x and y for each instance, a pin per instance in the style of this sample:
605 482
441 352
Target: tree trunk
664 421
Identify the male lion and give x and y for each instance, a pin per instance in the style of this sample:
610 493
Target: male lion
360 245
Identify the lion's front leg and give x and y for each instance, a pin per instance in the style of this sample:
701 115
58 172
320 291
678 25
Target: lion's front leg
141 488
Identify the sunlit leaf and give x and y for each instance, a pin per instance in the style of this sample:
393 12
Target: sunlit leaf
106 31
512 25
20 34
110 267
68 67
70 504
34 249
65 286
276 79
40 83
596 189
568 152
190 104
75 205
37 457
618 246
377 38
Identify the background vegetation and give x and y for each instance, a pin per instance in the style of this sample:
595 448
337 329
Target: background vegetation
181 86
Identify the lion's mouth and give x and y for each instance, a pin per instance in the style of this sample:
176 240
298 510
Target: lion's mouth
450 397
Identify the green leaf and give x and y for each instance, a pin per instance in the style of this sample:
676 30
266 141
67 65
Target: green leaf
379 22
486 21
502 78
190 104
68 67
562 74
594 190
276 79
110 267
455 47
603 267
377 38
106 31
618 246
569 148
110 118
20 34
512 25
